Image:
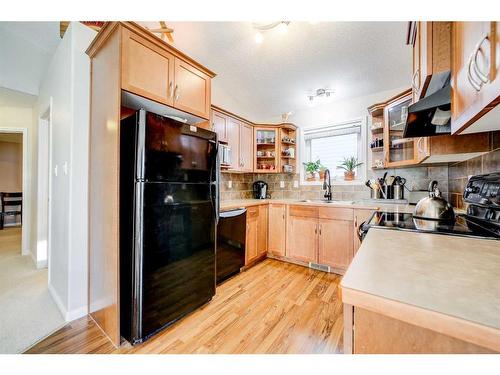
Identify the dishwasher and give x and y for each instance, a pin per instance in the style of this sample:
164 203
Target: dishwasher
231 237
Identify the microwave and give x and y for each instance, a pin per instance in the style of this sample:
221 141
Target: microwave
224 154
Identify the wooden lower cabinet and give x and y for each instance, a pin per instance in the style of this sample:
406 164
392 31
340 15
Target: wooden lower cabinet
302 238
379 334
277 229
335 243
262 231
257 232
251 253
304 234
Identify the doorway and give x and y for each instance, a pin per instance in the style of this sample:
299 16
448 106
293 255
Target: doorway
14 186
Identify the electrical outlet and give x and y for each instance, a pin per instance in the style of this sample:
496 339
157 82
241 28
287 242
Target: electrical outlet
230 184
282 184
296 184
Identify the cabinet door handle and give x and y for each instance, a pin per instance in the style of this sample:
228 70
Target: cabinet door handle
177 92
419 145
320 226
476 85
417 73
171 89
316 229
484 78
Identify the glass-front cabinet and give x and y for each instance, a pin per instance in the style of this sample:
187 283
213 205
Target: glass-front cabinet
400 151
275 148
266 149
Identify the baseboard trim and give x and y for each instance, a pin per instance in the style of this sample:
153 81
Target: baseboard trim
57 300
39 264
76 313
67 315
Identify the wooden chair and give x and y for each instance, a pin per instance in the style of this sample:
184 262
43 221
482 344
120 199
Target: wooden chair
10 200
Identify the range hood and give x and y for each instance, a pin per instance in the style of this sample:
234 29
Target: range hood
432 114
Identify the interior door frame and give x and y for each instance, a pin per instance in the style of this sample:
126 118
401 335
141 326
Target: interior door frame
26 221
43 197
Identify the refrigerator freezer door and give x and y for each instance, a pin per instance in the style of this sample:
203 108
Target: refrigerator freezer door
178 256
177 152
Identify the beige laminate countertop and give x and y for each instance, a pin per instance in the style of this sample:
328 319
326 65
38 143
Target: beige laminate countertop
232 204
452 276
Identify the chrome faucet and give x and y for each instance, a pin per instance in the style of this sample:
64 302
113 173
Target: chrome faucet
327 186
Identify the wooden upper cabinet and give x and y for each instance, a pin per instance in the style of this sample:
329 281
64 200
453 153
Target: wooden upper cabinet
192 89
475 77
219 125
431 53
157 71
233 141
246 147
147 69
335 243
399 151
277 228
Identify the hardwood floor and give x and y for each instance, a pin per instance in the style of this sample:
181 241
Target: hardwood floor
274 307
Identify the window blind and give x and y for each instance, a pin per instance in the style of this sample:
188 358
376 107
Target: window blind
330 131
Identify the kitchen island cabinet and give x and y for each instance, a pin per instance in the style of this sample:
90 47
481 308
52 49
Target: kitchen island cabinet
420 291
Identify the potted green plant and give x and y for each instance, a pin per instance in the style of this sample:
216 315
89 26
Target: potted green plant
312 169
349 165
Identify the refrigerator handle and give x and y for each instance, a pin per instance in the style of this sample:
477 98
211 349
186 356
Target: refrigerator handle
215 195
141 145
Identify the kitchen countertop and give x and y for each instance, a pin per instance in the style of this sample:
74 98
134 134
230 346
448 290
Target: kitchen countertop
445 283
232 204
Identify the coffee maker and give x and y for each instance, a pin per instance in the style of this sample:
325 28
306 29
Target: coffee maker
260 189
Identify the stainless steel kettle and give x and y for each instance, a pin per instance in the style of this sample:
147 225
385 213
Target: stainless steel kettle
434 207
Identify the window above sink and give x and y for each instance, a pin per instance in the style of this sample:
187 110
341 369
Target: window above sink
330 145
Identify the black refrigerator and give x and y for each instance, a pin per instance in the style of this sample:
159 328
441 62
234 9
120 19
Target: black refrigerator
169 207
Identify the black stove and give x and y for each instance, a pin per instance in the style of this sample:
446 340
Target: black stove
481 220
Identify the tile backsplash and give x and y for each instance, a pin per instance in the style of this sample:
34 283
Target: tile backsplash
242 187
451 178
459 173
418 178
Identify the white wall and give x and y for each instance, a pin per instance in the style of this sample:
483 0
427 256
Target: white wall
16 111
67 84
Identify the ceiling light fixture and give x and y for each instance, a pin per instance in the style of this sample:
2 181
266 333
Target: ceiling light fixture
321 94
259 38
281 26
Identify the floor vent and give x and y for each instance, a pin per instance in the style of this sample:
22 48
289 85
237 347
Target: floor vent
319 267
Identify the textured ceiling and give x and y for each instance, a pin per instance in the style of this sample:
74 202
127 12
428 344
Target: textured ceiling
25 53
261 81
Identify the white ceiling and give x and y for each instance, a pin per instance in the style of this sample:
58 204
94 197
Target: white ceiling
27 48
262 81
257 81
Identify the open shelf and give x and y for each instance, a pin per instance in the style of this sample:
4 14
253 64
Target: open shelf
377 149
